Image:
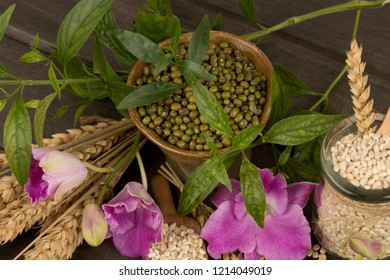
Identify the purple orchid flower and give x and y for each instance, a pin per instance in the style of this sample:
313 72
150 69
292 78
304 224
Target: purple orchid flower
52 174
286 232
134 220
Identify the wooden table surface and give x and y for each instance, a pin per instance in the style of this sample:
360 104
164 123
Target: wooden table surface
314 50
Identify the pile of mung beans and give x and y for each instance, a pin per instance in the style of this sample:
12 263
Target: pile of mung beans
238 87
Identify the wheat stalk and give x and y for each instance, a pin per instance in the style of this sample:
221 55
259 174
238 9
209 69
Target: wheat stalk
17 214
60 235
360 91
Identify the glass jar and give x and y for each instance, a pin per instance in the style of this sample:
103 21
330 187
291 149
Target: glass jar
344 209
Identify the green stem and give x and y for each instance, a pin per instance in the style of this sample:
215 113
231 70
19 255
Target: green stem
343 71
351 5
142 170
47 82
98 169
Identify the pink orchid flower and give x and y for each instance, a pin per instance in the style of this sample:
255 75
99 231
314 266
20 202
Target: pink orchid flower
286 232
134 220
52 174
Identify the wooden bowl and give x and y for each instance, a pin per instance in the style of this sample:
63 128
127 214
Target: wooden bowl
185 161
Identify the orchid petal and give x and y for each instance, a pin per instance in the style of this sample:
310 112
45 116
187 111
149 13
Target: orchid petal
284 236
53 173
134 220
275 190
136 240
35 187
225 233
299 193
224 194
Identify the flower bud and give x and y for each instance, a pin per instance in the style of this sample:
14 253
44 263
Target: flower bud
361 243
94 226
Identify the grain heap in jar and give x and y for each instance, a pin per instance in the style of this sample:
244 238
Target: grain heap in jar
356 164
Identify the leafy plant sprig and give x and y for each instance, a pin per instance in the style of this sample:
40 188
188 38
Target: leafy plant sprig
295 140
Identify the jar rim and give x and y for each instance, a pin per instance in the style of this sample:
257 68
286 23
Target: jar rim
335 180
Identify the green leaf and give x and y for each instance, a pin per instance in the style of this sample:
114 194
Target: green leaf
139 45
162 7
309 153
210 108
53 80
78 26
285 155
211 145
252 189
292 84
4 19
77 69
33 56
61 111
189 68
156 27
5 74
40 118
217 23
220 172
163 62
199 42
79 112
36 40
100 63
247 8
32 104
243 139
201 183
17 140
105 30
3 102
299 129
298 172
176 37
117 92
281 100
148 94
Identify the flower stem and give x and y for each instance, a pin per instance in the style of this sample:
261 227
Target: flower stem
142 170
343 71
351 5
98 169
47 82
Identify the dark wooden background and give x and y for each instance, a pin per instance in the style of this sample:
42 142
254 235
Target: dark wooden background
314 50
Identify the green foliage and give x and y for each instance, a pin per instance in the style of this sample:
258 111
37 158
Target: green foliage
247 8
17 140
299 129
139 45
296 139
77 26
200 41
106 30
156 27
252 189
148 94
40 117
210 108
201 183
4 19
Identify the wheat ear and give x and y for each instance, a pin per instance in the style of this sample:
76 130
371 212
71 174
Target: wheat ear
360 90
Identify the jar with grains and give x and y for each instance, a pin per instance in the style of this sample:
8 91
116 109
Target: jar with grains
347 208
